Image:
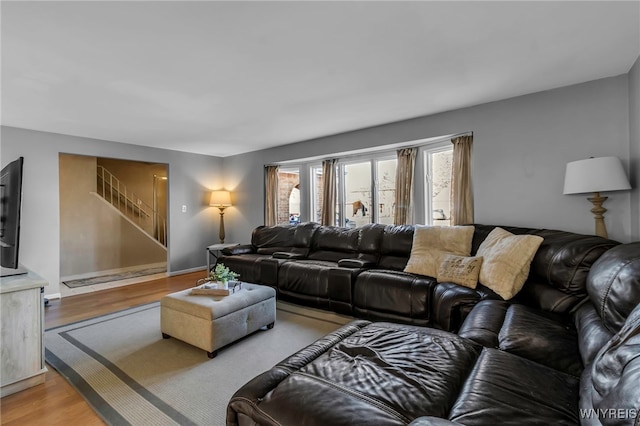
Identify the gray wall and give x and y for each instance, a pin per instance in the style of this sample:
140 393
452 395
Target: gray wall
634 148
190 177
521 147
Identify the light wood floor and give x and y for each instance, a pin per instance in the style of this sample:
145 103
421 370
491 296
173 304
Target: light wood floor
56 402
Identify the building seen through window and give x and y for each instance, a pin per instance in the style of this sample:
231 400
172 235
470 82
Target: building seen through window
288 195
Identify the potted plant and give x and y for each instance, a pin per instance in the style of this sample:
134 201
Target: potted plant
221 275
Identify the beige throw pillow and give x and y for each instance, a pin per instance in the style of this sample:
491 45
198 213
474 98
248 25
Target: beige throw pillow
460 270
507 259
431 243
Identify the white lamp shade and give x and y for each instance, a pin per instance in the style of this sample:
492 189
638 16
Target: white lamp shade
220 199
595 175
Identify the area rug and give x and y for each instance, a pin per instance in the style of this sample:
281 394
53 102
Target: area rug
114 277
130 375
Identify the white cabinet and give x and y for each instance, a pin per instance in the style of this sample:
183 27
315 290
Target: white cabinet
21 328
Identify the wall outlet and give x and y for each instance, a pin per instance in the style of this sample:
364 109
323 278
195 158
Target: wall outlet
184 208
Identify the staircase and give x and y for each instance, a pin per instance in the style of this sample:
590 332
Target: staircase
131 206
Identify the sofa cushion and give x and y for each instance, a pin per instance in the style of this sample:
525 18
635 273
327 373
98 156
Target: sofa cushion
382 374
303 235
506 389
539 294
332 243
613 284
540 336
317 283
308 277
369 242
460 270
544 337
386 295
396 247
507 259
431 243
273 236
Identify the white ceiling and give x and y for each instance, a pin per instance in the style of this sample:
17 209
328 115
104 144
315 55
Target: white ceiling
222 78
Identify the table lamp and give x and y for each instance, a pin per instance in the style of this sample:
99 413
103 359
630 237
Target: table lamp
596 175
221 200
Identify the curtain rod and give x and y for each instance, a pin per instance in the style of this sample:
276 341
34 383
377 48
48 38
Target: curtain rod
457 135
373 150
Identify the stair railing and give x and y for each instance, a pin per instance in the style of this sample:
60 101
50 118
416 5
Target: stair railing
128 203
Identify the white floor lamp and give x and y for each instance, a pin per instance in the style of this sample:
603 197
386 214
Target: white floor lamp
596 175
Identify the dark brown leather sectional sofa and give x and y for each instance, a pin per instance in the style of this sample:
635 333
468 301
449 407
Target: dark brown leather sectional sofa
359 272
510 364
565 351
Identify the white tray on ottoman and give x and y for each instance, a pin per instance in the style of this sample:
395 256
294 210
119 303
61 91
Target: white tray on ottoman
211 322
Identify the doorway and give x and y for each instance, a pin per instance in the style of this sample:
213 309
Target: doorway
113 222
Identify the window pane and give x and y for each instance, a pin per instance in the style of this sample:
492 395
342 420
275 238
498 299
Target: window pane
440 186
357 194
316 197
288 196
386 190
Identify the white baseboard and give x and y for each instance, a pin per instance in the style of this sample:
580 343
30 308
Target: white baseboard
112 271
53 296
187 271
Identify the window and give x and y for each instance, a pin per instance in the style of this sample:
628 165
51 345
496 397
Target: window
366 191
316 192
365 187
356 194
385 190
437 166
288 195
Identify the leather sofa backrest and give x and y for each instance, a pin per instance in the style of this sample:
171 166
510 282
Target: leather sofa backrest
370 242
396 247
333 243
269 239
563 259
613 284
303 236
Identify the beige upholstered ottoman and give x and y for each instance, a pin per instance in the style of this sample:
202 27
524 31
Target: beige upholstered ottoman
211 322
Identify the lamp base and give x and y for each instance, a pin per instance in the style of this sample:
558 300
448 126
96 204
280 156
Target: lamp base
221 233
598 213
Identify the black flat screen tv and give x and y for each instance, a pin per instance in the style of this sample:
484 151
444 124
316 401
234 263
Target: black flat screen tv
10 206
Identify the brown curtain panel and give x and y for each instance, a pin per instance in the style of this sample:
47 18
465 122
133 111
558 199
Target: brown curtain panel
461 189
329 192
271 195
404 186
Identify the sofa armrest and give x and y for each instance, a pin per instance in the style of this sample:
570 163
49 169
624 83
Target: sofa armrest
245 402
288 255
450 305
484 322
356 263
239 249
